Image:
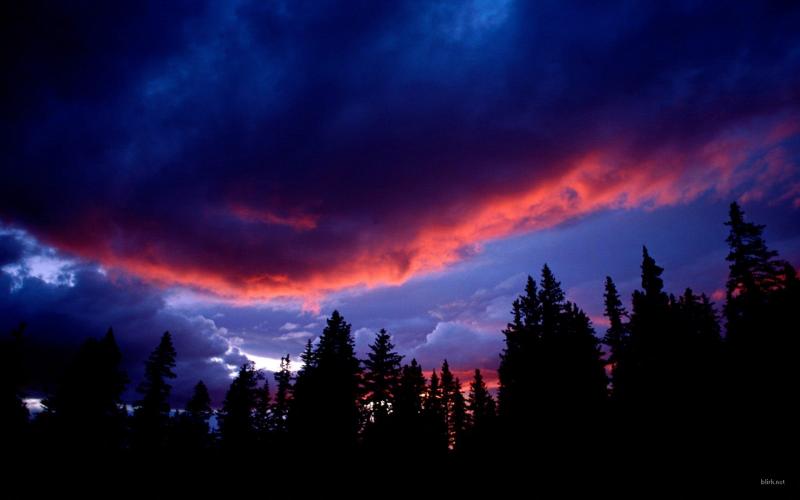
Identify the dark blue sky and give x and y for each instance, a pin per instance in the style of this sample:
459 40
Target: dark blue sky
232 171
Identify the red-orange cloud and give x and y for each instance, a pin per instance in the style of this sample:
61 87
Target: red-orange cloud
741 160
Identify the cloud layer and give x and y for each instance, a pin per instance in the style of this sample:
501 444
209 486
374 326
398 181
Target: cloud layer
295 149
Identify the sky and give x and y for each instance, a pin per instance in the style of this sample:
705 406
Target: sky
234 171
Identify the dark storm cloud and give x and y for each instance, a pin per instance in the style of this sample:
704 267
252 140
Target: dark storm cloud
256 150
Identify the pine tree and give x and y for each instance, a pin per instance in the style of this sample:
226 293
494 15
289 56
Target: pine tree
408 422
411 388
237 422
198 408
755 272
262 415
283 394
381 377
436 437
551 302
325 413
480 402
520 356
649 363
453 406
616 338
762 297
192 426
86 409
151 416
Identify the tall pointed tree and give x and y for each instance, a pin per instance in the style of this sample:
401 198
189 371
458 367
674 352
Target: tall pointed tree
192 425
650 360
151 416
381 377
325 410
479 437
87 408
616 338
480 403
453 406
262 415
434 416
283 395
237 422
762 298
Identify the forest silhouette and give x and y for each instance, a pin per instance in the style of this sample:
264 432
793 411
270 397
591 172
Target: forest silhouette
672 377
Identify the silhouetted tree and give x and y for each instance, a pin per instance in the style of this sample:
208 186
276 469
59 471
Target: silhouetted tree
192 426
762 299
435 423
408 423
151 415
616 337
381 377
519 360
237 422
483 414
263 413
453 406
325 413
480 402
698 359
86 409
198 408
283 395
649 363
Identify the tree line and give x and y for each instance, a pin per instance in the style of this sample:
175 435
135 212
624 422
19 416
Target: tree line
669 371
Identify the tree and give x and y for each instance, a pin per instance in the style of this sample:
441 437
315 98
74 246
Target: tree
650 362
283 394
755 274
480 402
551 302
237 421
191 428
479 437
381 377
453 406
616 338
519 359
151 415
762 296
325 414
436 437
263 415
198 408
86 409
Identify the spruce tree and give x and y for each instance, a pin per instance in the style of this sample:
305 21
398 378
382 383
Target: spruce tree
283 395
192 425
151 415
86 409
381 377
650 361
480 403
616 338
325 412
237 417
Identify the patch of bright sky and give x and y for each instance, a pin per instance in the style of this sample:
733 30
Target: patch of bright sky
39 262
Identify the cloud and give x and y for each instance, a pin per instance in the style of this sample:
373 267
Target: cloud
464 347
62 314
253 151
